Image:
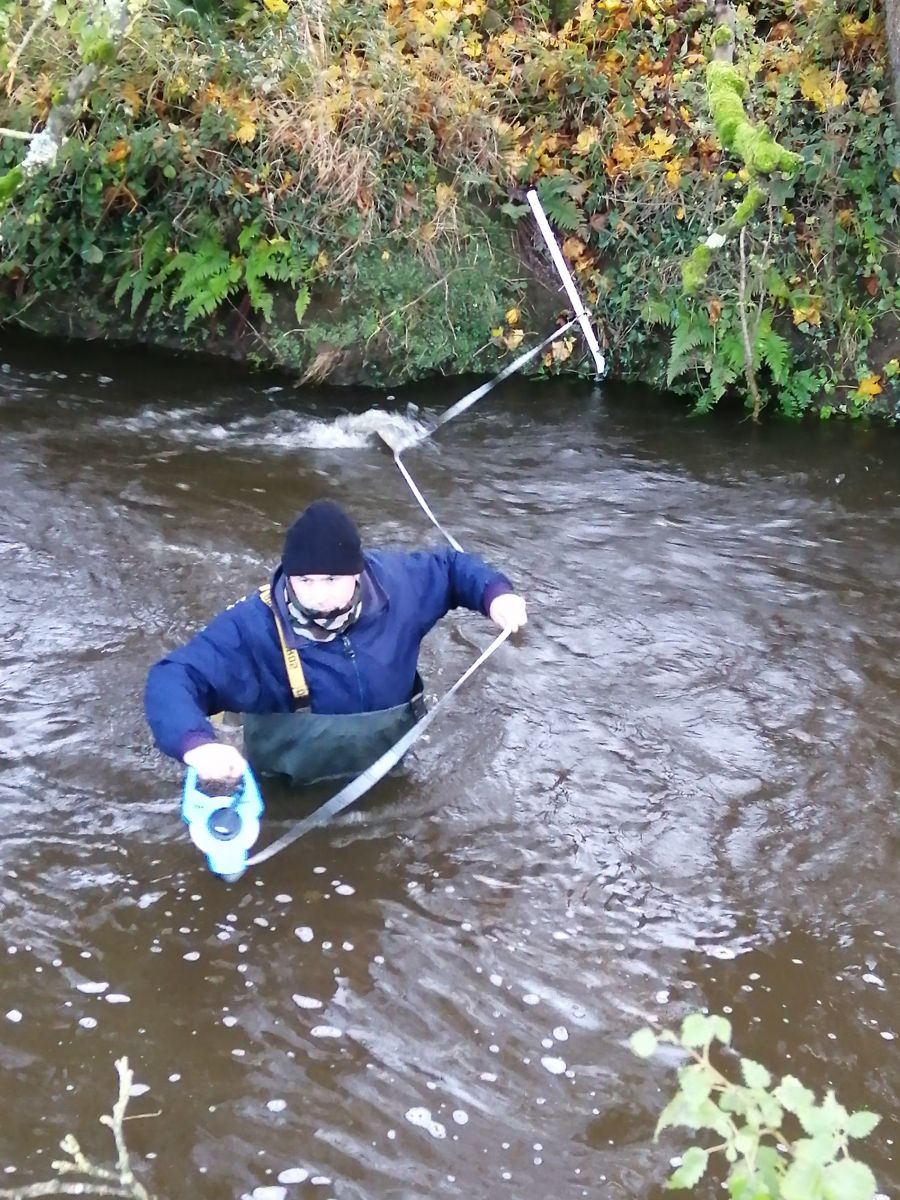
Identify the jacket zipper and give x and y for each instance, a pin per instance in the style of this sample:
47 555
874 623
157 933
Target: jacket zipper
351 654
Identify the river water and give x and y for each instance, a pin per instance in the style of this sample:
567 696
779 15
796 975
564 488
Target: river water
677 789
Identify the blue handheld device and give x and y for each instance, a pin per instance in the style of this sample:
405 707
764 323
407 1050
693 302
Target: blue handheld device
223 827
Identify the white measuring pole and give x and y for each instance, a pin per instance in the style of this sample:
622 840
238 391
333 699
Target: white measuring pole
568 282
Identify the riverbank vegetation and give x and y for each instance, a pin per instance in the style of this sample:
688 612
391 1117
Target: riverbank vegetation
337 188
770 1140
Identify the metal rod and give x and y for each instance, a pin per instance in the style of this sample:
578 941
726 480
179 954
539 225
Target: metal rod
581 313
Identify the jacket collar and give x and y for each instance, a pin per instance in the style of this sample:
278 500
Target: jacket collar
374 600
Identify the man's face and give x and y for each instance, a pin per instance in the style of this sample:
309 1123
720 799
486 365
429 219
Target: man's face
324 593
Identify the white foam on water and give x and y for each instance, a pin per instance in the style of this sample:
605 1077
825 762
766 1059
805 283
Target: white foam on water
293 1175
229 1021
344 889
304 933
531 998
325 1031
422 1118
191 956
117 998
561 1033
556 1066
90 988
14 1015
306 1001
276 1106
282 898
269 1193
460 1116
346 432
138 1089
282 430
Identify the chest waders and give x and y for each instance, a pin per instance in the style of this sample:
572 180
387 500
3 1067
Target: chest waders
306 747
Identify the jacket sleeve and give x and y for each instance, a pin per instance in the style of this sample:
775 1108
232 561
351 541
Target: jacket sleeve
209 674
447 579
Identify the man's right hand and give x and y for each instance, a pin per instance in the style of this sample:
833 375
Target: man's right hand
216 761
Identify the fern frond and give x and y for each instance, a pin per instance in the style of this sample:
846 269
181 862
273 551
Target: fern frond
693 338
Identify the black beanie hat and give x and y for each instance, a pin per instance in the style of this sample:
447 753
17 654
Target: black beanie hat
322 541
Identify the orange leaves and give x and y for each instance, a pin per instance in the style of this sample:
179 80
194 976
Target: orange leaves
243 111
118 152
673 173
809 312
577 254
559 352
627 157
132 98
620 159
659 145
869 102
823 88
869 387
586 139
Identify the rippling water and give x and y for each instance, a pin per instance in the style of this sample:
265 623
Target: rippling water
677 789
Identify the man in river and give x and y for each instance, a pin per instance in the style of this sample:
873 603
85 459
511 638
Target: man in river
323 661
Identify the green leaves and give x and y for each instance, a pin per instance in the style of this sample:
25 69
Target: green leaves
755 1076
643 1043
693 1167
762 1162
698 1030
848 1180
861 1124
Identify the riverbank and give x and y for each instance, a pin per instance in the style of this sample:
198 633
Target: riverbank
337 192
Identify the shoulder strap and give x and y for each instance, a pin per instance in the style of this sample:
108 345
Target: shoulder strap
293 666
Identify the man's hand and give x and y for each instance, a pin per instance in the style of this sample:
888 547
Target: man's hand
216 761
508 611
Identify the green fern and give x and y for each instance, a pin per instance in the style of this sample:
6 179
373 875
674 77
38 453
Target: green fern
207 276
203 278
657 311
272 260
772 349
302 303
558 203
692 343
149 275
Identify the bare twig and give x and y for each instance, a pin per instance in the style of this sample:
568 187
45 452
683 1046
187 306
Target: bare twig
749 370
100 1181
22 46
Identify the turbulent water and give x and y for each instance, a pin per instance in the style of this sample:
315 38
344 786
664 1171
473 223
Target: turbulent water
676 789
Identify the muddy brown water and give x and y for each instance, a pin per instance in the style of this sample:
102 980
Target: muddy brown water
678 789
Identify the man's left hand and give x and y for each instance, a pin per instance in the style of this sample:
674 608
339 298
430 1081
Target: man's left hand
508 611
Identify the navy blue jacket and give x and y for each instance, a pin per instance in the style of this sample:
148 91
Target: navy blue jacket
236 664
